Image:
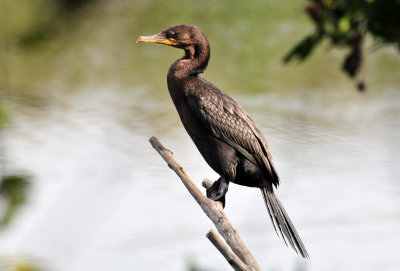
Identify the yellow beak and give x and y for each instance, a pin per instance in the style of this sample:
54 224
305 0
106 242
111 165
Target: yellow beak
156 39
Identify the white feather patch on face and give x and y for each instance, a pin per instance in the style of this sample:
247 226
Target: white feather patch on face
185 36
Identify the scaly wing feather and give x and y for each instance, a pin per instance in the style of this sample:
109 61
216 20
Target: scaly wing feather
227 120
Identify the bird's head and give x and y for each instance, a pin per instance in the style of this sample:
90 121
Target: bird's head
189 38
180 36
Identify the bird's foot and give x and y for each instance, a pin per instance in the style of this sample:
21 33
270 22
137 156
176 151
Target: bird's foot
217 191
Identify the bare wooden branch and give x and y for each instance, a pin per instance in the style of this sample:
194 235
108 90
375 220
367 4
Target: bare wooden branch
210 208
225 250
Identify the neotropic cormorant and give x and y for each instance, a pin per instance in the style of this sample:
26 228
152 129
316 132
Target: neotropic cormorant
223 132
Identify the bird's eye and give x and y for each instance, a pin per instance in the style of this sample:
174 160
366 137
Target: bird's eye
170 35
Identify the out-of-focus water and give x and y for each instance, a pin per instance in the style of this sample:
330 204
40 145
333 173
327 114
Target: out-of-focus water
103 199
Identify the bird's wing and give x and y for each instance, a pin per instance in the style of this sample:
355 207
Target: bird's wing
227 120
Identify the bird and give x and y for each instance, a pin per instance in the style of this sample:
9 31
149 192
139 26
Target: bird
223 132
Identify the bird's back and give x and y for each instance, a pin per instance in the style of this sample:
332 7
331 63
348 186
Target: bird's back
225 119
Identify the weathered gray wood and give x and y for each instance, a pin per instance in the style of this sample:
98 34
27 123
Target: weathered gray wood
225 250
212 209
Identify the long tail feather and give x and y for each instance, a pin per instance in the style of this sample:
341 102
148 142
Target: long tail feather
281 221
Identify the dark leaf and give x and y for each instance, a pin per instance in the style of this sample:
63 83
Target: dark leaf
304 48
361 86
352 63
13 189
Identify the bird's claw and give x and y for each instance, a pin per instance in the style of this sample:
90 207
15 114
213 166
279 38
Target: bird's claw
214 193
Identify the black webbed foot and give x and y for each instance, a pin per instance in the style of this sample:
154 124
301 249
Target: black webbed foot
217 191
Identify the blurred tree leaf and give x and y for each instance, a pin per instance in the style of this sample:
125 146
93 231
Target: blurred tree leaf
13 191
345 23
20 264
26 267
304 48
384 19
71 5
62 13
37 35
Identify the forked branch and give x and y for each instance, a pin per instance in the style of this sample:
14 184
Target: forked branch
235 251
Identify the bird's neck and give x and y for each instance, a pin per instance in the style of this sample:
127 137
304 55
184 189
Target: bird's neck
183 74
193 63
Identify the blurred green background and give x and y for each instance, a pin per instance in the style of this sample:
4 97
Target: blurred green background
82 189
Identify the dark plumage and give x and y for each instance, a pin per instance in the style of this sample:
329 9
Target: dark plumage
223 132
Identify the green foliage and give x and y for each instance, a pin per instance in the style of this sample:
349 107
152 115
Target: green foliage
26 267
23 264
384 20
71 5
44 29
304 48
37 35
13 191
345 23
